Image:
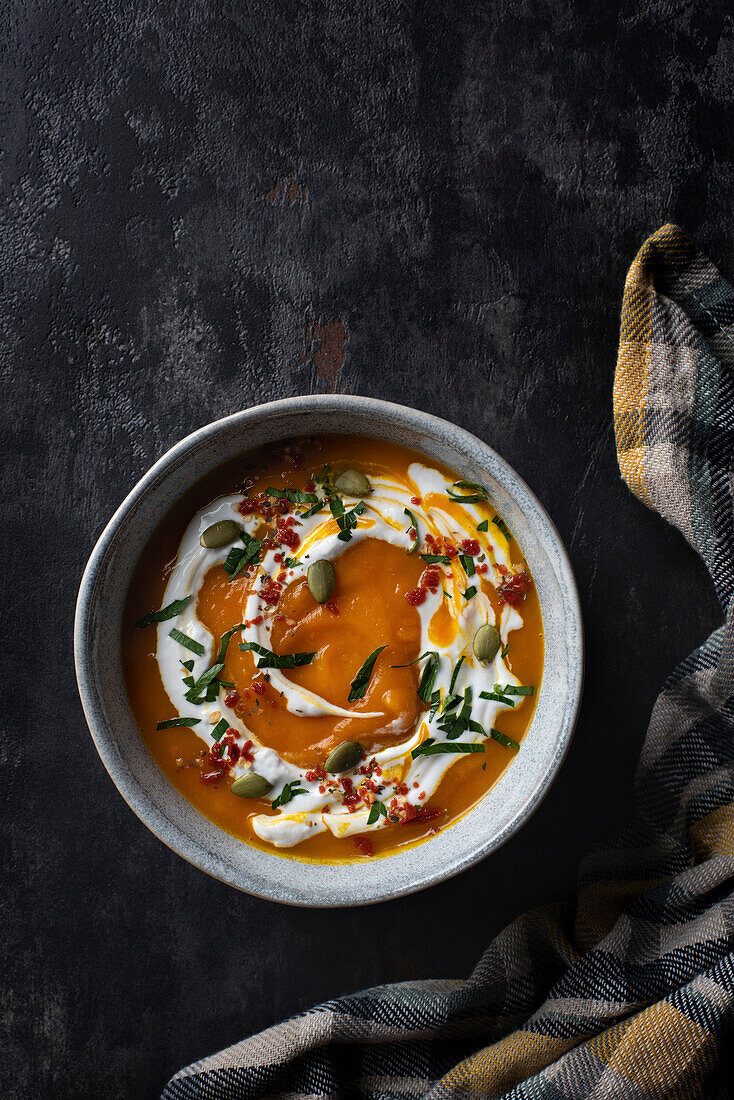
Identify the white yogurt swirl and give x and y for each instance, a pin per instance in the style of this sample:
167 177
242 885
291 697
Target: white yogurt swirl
314 811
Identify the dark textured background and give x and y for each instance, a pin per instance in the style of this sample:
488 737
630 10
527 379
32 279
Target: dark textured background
207 205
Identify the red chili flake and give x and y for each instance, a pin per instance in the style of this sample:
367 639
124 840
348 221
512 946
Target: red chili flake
502 570
245 752
332 607
310 486
289 538
319 772
449 550
256 621
351 802
415 500
258 687
277 557
247 506
513 590
212 777
322 789
364 845
430 540
270 592
426 813
416 783
412 532
347 784
430 578
422 795
415 596
482 569
470 547
232 699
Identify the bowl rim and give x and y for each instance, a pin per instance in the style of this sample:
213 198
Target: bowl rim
132 791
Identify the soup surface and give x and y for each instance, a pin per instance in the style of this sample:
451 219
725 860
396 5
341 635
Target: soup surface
335 711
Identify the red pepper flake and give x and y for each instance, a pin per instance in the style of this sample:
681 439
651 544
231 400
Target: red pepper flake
319 772
247 506
449 550
364 845
502 569
482 569
332 607
351 802
470 547
425 813
347 784
277 557
430 578
258 687
416 501
256 621
246 753
289 538
402 788
513 590
431 541
416 596
232 699
270 592
310 486
412 532
212 777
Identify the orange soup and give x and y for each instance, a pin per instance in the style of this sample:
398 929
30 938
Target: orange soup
333 648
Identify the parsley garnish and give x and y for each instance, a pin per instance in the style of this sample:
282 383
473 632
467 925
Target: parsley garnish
268 659
470 592
206 683
483 526
457 666
188 665
502 526
226 640
290 790
377 810
513 689
495 695
173 722
189 643
168 612
454 727
505 651
220 729
428 678
430 748
362 679
504 740
312 511
414 525
435 704
477 495
346 521
436 559
240 557
468 564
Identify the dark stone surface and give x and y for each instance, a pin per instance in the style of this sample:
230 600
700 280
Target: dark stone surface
206 205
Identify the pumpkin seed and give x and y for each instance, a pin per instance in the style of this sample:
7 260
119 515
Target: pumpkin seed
251 785
220 534
486 643
353 484
321 579
344 757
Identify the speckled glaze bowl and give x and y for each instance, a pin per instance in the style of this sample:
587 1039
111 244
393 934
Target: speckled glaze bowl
174 820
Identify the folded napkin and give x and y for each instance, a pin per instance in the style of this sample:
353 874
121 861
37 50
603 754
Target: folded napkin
638 1000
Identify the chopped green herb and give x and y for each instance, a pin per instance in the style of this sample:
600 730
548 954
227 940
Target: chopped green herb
206 683
268 659
457 667
377 810
430 748
470 592
428 678
502 526
312 511
505 651
188 665
290 790
483 526
477 494
189 643
436 559
468 564
435 704
291 563
226 637
504 740
349 520
295 496
495 695
362 679
514 689
414 527
169 612
220 729
239 557
452 702
453 728
173 722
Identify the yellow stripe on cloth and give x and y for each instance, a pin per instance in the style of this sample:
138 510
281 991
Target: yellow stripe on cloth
497 1069
600 905
663 1051
629 394
713 835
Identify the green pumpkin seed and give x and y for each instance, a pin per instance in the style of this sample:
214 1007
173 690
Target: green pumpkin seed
344 757
251 785
353 484
321 579
486 643
220 534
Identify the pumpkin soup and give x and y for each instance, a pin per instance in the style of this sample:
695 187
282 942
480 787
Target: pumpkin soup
333 648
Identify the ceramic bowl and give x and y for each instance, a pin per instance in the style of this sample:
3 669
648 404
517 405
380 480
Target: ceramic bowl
174 820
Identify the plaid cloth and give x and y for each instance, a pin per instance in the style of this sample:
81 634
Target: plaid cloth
633 997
